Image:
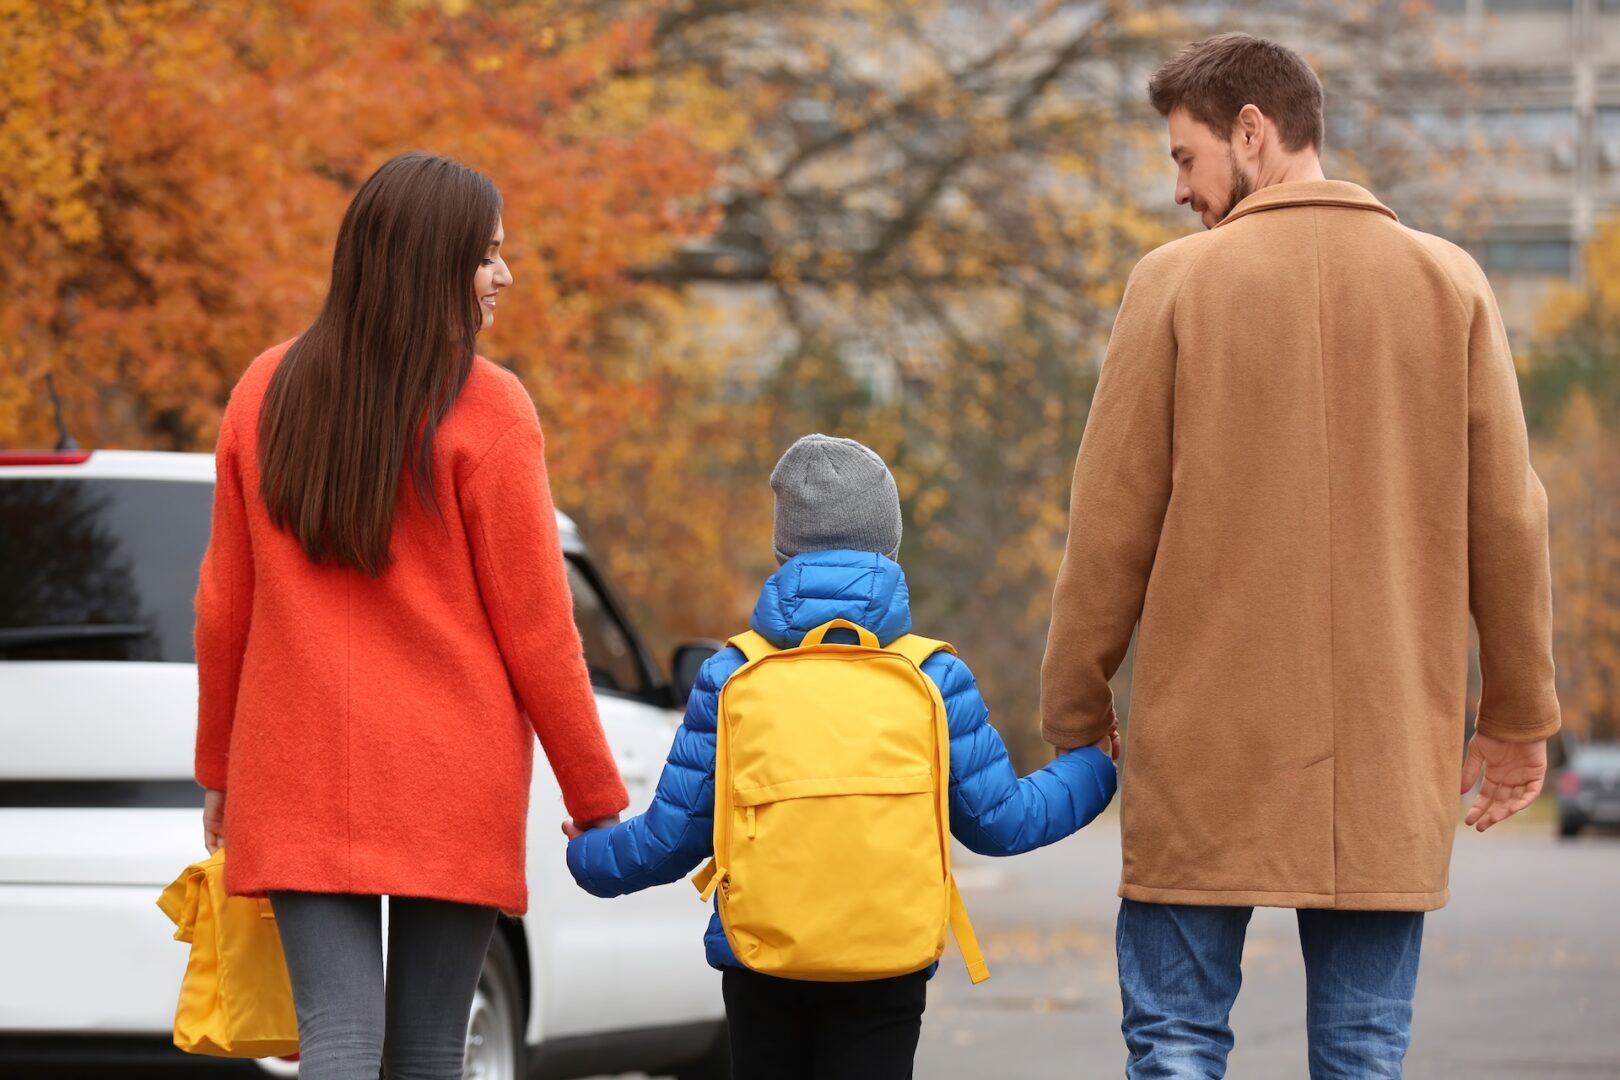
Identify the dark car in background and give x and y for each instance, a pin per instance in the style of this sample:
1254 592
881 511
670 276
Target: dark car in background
1589 788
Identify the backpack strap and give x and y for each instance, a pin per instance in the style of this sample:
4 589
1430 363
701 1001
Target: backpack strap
966 939
710 878
753 646
917 649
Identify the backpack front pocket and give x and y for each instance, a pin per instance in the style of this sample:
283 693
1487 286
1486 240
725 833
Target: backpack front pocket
837 877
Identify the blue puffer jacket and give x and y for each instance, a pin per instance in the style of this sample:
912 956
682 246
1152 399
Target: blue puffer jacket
992 811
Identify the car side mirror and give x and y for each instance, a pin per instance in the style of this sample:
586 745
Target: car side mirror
689 659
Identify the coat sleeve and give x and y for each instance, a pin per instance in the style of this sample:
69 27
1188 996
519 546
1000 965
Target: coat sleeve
224 605
517 556
1509 580
994 812
677 831
1116 509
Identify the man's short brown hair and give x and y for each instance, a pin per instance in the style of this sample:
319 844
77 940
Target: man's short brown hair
1213 79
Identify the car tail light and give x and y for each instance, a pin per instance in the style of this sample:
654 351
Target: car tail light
43 457
1569 782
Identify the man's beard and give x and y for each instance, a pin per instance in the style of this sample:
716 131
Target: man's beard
1242 186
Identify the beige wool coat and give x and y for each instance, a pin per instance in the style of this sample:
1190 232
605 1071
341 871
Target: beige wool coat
1305 465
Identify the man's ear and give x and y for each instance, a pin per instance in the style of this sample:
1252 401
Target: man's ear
1250 130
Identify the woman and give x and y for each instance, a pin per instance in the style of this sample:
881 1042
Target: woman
382 601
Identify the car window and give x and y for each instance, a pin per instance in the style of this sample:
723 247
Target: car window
100 569
610 652
1598 757
107 569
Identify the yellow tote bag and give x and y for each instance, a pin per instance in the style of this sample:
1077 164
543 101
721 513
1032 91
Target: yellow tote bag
235 999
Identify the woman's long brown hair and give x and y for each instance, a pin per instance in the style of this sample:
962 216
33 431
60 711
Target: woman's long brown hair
365 387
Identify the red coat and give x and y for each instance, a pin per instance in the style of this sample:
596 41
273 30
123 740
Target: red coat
371 733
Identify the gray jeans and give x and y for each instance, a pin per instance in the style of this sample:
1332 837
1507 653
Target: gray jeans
349 1024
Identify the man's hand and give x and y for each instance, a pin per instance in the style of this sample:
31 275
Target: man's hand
576 829
1514 773
213 819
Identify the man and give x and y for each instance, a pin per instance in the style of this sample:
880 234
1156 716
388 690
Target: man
1305 465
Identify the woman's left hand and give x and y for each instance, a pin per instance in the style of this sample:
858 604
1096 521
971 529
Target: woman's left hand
576 829
213 820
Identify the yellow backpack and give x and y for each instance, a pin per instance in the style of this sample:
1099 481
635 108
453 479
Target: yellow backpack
832 851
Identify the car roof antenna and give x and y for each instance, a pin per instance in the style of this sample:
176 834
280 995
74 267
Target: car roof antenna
64 440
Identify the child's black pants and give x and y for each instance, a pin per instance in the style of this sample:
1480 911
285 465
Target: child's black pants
786 1029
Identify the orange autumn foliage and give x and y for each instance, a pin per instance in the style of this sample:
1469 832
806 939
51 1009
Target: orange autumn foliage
172 175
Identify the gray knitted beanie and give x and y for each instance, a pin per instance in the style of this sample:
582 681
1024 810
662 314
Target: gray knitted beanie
834 493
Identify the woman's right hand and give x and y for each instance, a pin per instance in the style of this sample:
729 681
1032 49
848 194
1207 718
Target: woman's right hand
213 819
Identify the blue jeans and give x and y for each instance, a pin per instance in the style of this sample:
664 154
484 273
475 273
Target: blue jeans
1180 968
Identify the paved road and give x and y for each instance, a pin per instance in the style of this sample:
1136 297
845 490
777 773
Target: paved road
1520 977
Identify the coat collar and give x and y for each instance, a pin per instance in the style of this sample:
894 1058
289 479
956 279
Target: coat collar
1308 193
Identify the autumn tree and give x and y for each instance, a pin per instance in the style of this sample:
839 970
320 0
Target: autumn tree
927 214
1571 386
172 175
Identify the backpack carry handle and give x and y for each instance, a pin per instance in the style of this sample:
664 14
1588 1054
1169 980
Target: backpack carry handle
865 636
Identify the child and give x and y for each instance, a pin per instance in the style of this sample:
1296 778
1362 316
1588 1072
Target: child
837 535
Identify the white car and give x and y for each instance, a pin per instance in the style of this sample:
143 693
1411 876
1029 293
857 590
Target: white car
99 554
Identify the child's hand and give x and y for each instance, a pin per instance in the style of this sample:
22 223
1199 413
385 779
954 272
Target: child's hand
576 829
1109 744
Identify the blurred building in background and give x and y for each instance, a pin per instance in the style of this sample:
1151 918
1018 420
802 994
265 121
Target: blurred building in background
1539 100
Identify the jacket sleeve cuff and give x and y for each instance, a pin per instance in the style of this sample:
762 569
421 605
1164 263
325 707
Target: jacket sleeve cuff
1104 776
603 803
1065 738
211 771
576 864
1545 728
590 861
